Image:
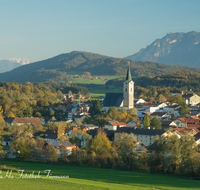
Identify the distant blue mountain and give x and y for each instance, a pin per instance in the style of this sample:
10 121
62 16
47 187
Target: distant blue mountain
172 49
6 65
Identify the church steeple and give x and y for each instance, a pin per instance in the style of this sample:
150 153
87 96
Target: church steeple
128 92
128 75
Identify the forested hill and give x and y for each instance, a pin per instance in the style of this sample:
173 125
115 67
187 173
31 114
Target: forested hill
57 68
178 81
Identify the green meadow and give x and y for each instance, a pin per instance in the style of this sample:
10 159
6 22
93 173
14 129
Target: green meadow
94 81
87 81
90 178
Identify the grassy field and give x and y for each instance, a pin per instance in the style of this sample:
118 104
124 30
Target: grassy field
87 81
95 81
92 178
100 92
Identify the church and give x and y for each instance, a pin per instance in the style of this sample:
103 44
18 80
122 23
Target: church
123 100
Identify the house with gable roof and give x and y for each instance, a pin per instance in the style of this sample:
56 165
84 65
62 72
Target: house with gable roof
63 144
183 131
23 120
184 122
191 98
113 125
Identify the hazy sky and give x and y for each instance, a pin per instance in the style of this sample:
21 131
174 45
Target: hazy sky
41 29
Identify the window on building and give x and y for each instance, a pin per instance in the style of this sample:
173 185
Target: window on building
125 89
131 89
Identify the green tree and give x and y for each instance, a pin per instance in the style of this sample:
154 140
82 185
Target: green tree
95 106
156 158
87 74
24 146
126 146
53 153
146 121
190 156
1 148
155 123
2 121
184 108
52 112
98 106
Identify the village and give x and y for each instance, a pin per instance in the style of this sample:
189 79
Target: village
66 129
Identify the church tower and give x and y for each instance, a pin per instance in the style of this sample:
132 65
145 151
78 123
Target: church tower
128 91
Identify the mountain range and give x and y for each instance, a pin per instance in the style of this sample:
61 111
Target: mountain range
172 49
12 63
57 68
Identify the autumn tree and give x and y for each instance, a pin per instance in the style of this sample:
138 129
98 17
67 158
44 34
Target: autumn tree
1 148
133 112
100 147
161 98
24 146
126 146
87 74
61 132
53 154
79 137
2 121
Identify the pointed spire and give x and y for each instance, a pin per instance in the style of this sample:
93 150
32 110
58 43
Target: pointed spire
128 75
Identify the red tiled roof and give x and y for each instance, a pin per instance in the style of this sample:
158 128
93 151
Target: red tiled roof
184 130
188 121
193 126
116 123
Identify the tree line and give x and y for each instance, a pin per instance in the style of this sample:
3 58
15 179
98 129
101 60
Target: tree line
168 154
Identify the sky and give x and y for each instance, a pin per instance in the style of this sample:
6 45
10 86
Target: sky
42 29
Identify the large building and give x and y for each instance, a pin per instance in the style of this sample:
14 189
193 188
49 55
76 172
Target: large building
123 100
191 99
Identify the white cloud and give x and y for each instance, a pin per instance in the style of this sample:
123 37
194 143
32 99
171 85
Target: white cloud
23 61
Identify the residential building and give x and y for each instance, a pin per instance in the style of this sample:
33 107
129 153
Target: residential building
183 122
145 136
23 120
113 125
191 98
